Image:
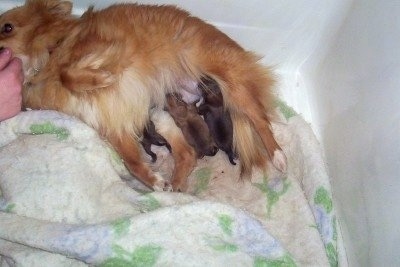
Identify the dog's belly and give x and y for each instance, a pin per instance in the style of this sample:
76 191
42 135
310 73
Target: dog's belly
190 91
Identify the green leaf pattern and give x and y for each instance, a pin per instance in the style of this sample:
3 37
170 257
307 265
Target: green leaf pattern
323 199
50 128
121 226
225 221
286 110
203 176
149 203
271 194
285 261
142 256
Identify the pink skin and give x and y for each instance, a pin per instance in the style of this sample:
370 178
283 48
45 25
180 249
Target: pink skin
190 91
11 78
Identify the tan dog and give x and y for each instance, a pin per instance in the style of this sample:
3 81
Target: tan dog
110 66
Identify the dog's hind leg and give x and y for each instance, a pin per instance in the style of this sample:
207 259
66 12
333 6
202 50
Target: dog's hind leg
255 112
247 101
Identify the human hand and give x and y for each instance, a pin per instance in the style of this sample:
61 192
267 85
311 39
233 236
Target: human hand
11 79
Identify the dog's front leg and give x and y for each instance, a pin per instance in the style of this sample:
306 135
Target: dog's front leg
128 149
82 79
183 154
185 161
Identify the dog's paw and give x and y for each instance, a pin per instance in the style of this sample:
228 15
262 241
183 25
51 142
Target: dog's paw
179 186
280 161
167 187
161 185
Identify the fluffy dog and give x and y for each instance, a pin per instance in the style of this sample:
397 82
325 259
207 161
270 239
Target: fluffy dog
193 127
108 67
216 117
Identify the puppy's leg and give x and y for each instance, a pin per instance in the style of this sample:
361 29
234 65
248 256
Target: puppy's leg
183 154
128 149
147 147
231 156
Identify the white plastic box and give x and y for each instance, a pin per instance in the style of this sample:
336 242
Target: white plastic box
338 65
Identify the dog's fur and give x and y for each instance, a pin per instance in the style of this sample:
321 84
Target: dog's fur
217 117
151 137
193 127
183 154
109 67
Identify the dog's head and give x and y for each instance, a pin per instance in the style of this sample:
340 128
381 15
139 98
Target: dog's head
32 30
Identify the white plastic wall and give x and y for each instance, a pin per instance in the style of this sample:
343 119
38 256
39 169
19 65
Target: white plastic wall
338 65
356 91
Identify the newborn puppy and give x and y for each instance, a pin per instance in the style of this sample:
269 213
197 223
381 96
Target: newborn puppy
193 127
216 117
151 137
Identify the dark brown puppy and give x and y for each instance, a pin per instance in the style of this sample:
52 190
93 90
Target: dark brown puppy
193 127
151 137
217 117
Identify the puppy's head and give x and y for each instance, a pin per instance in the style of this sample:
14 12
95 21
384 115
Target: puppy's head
211 92
176 107
30 30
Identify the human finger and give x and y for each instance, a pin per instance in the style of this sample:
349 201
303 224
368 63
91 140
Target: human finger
5 57
15 66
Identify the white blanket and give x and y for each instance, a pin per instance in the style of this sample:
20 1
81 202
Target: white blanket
64 203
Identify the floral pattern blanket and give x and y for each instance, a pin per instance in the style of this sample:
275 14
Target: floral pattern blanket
63 203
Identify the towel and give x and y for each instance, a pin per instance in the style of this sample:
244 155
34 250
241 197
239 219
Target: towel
68 200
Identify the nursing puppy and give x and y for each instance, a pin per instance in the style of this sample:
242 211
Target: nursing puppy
217 117
110 66
151 137
193 127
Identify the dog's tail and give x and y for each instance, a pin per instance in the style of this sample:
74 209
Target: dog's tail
247 94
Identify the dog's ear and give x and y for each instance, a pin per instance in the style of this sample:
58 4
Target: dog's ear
61 8
55 7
